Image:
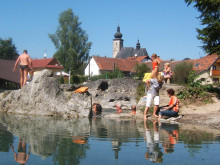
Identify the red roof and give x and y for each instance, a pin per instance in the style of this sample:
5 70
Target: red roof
138 58
105 63
46 63
200 65
204 63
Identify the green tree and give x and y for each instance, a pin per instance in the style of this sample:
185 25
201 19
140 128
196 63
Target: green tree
182 72
71 42
210 18
141 69
7 49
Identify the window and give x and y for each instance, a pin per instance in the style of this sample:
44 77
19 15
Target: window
214 67
216 80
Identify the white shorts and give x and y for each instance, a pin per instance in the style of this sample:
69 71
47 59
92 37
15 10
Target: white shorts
150 98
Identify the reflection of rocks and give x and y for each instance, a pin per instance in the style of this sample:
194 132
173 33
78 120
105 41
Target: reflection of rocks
44 133
43 96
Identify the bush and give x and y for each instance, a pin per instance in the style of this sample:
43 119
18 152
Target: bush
140 70
182 72
141 91
76 79
61 80
109 75
195 90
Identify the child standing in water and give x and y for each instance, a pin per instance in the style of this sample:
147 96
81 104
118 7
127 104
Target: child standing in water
154 85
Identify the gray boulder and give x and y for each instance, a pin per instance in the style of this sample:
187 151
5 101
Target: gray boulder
108 93
43 96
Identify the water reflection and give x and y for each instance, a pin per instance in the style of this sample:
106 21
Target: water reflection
74 141
153 153
21 156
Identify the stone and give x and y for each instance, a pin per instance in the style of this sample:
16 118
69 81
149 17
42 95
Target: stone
43 96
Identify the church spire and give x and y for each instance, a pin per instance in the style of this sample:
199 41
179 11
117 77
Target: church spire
118 34
138 45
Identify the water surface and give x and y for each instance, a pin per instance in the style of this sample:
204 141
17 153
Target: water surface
103 141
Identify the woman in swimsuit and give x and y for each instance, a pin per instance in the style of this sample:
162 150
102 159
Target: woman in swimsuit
155 63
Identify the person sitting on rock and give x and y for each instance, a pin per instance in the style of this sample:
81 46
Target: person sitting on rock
167 73
96 109
173 108
118 108
133 110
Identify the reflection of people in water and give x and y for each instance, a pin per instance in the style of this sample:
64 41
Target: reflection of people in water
96 109
79 140
172 138
153 150
21 157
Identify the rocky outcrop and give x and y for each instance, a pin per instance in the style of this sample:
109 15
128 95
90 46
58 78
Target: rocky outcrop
108 93
43 96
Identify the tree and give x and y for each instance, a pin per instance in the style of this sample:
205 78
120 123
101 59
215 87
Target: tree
71 42
183 67
7 49
210 17
141 69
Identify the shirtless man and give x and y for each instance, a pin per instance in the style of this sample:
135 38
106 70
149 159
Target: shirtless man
24 61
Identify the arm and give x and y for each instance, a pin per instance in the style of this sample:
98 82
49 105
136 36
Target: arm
148 84
158 62
29 59
16 63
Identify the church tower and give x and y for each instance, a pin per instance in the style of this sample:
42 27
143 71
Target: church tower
117 42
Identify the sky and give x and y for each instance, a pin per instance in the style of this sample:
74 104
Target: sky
164 27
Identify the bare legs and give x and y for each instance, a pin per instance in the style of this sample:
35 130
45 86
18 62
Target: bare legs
23 78
154 113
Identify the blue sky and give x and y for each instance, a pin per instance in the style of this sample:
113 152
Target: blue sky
165 27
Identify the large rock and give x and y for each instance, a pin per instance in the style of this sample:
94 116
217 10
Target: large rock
43 96
108 93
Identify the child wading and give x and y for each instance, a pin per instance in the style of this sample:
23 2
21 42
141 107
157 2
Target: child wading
154 85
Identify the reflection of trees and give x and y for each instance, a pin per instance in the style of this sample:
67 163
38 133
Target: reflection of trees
194 138
6 139
69 153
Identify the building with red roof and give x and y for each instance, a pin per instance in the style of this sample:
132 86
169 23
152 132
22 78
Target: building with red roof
207 68
46 63
7 76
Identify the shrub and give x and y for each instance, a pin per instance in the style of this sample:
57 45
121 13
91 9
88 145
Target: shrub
195 90
182 72
109 75
76 79
61 80
140 91
140 70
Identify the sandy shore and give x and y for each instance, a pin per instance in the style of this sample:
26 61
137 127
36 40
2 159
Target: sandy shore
208 114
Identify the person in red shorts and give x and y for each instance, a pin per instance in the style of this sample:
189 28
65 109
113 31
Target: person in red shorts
173 108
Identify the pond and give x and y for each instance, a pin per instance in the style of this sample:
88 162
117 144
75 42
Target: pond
43 140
